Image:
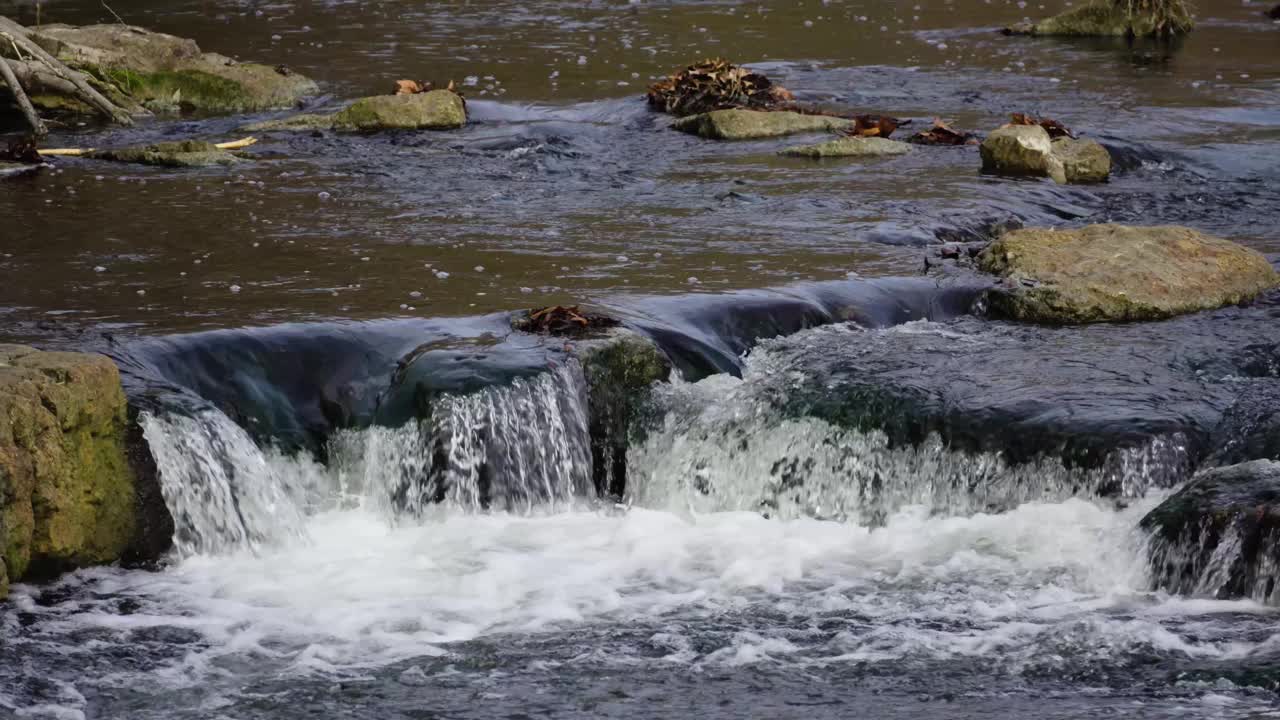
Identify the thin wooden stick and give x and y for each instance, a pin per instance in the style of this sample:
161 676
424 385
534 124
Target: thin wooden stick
24 103
79 152
237 144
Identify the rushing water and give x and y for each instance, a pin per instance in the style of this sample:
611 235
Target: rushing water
339 553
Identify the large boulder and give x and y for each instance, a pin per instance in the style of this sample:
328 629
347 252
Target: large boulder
434 110
1220 535
168 74
67 490
1104 273
849 147
754 124
1108 18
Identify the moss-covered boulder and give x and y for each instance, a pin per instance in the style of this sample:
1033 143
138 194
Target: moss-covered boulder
434 110
1109 18
619 366
1220 535
67 491
849 147
1083 161
754 124
187 153
1021 150
169 74
1104 273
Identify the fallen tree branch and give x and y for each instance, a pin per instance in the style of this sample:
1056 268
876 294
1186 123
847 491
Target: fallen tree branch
19 36
79 152
24 103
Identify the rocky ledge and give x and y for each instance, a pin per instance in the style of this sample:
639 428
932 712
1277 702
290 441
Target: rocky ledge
434 110
69 495
740 124
1107 273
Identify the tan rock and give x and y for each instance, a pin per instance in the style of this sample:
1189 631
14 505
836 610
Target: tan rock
755 124
849 147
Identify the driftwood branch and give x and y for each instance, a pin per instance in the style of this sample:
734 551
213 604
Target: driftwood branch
80 152
24 103
17 35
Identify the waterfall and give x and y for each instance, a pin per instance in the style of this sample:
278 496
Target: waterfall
512 448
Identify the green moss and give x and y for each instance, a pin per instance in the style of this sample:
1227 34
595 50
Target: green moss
1141 18
174 90
188 153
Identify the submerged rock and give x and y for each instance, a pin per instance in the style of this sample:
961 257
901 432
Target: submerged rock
67 491
1106 273
1021 150
164 73
186 153
753 124
434 110
1220 535
1109 18
849 147
1250 429
1083 161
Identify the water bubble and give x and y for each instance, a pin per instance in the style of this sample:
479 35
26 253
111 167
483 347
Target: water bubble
142 292
99 269
479 268
526 290
582 59
364 259
234 288
693 280
415 294
623 258
442 274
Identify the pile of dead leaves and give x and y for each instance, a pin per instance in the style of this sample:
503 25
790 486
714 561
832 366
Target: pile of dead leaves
563 320
415 87
716 85
942 134
1053 127
22 151
874 126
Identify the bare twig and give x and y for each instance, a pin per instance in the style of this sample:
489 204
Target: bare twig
113 13
24 103
78 152
18 35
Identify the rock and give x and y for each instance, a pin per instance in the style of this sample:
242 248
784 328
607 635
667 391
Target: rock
753 124
1108 19
67 491
1110 273
168 74
1250 429
1021 150
849 147
434 110
187 153
1083 161
1220 535
619 368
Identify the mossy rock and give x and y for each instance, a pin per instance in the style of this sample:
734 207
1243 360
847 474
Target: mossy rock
169 74
754 124
1106 273
849 147
66 488
184 154
1083 161
1104 18
1021 151
434 110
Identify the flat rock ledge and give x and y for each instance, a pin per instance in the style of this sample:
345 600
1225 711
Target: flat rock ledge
849 147
1027 151
140 69
1110 273
434 110
1219 536
755 124
69 497
184 154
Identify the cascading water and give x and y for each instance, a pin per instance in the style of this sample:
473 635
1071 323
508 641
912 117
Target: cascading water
723 445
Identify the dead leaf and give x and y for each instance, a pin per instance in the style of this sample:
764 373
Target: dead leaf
874 126
942 134
1053 127
563 320
716 84
408 87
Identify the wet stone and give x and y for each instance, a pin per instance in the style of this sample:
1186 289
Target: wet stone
1109 19
1021 150
1107 273
1083 161
184 154
752 124
1220 535
849 147
434 110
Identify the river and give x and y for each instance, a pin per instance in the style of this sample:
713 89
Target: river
304 584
